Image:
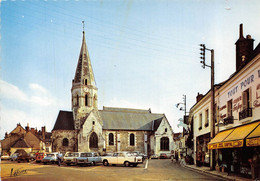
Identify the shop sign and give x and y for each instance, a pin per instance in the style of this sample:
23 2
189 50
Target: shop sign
253 142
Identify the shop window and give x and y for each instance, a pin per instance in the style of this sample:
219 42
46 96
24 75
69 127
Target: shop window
93 140
165 143
65 142
207 118
111 138
132 139
200 121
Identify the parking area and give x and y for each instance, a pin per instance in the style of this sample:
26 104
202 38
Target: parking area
155 169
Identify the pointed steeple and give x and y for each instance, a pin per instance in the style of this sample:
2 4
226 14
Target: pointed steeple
84 73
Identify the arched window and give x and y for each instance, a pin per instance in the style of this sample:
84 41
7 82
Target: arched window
86 100
77 103
164 143
111 138
65 142
132 139
93 140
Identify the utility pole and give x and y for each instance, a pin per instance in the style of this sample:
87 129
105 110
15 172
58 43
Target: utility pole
212 115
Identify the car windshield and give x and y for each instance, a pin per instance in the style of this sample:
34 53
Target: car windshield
86 154
50 155
72 154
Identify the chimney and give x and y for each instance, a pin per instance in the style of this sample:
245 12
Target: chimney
6 135
244 47
43 133
27 127
199 97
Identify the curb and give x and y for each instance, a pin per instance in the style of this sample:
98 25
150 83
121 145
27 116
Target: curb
209 173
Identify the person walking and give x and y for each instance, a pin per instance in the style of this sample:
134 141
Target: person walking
59 158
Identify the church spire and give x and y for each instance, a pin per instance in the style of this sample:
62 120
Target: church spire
84 73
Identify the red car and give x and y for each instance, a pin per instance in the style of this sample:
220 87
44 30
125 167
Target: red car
39 157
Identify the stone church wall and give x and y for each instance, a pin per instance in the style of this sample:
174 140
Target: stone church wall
122 140
59 135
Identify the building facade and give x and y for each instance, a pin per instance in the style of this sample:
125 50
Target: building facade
237 115
86 128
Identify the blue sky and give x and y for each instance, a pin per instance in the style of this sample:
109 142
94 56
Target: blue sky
144 54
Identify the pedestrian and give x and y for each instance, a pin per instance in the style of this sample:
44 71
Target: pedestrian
59 158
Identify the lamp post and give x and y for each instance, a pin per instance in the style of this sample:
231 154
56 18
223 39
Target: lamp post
212 127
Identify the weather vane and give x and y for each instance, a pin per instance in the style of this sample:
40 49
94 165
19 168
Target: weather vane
83 22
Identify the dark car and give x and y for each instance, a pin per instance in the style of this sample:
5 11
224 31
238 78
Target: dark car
163 156
23 156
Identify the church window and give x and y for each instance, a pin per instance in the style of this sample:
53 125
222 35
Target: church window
111 138
132 139
93 122
165 143
65 142
77 103
86 81
165 130
93 140
86 100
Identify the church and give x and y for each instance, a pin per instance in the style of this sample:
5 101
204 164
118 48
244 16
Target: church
86 128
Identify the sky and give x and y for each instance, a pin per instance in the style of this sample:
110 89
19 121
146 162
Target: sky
144 54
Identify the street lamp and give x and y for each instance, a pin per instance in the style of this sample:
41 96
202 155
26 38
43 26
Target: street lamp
212 127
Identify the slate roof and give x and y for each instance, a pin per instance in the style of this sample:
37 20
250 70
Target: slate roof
64 121
21 143
130 119
116 119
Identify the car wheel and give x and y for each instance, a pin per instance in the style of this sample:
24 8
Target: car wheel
105 163
127 164
92 163
68 164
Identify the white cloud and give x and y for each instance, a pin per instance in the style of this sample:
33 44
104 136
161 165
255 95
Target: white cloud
39 96
38 87
10 91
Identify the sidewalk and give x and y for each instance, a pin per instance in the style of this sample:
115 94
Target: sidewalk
216 173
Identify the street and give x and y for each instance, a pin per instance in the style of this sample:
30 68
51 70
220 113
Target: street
153 170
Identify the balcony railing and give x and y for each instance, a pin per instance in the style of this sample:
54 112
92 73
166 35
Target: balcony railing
245 113
228 120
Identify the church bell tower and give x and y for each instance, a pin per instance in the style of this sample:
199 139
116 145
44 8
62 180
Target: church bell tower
84 90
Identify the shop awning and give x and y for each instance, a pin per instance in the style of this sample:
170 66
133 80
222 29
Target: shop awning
235 138
254 138
213 144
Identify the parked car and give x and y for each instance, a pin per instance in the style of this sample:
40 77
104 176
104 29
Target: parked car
32 156
122 158
163 156
91 158
154 156
39 157
5 157
22 156
50 158
14 156
70 158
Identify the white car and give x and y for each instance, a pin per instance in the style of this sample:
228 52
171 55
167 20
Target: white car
70 158
122 158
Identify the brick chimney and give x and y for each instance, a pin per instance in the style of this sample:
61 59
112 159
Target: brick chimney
27 127
43 132
199 97
244 47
